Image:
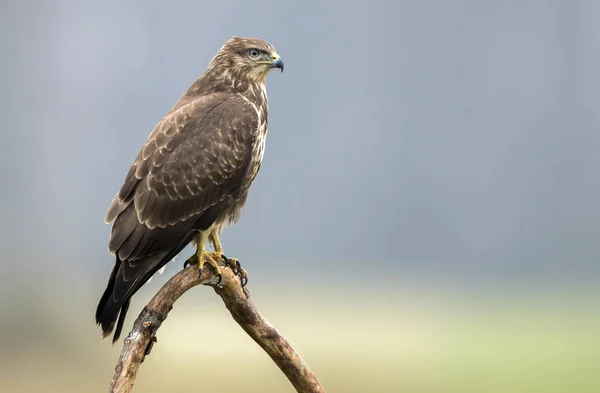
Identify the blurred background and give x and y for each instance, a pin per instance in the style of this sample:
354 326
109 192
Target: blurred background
426 218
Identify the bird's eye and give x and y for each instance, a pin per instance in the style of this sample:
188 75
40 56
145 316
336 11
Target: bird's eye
254 53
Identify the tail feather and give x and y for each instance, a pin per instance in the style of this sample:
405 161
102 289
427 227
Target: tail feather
106 315
139 253
109 310
121 320
126 278
114 303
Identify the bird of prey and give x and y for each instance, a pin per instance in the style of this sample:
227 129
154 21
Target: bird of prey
192 176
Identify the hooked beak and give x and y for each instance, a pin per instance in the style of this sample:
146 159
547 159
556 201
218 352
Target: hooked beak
277 62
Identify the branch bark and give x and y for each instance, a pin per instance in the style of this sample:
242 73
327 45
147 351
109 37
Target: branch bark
140 340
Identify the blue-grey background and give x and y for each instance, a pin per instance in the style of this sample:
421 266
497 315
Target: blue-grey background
418 150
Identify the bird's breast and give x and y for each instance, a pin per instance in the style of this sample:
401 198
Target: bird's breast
261 142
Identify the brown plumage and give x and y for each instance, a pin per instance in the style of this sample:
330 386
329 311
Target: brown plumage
192 175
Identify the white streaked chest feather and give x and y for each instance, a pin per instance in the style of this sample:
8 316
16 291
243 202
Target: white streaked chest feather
258 148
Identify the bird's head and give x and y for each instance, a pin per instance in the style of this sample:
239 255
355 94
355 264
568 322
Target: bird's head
246 58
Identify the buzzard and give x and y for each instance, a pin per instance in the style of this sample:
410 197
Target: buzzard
192 176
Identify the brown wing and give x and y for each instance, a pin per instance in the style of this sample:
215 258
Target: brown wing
196 157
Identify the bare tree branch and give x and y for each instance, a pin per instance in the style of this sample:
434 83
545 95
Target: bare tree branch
143 335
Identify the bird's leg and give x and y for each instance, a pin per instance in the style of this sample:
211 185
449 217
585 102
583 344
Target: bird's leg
233 262
214 238
202 257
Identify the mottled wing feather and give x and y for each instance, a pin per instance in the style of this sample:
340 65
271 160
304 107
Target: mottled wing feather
196 157
201 170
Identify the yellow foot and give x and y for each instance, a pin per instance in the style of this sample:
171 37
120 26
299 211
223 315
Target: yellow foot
206 258
212 258
234 263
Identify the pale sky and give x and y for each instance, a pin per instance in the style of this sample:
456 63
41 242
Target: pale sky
438 139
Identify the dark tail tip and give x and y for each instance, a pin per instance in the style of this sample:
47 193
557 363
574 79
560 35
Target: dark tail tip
110 312
107 315
121 321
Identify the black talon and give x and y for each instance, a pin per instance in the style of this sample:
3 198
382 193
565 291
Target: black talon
188 263
225 259
228 263
217 273
238 265
244 281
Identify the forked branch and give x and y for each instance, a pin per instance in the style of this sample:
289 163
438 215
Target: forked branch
143 335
